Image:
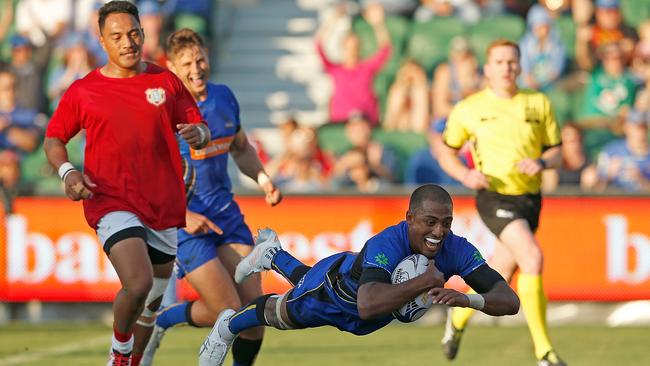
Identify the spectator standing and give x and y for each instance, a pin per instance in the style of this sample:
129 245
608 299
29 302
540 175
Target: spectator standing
353 78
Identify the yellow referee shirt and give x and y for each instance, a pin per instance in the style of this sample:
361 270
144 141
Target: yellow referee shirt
503 132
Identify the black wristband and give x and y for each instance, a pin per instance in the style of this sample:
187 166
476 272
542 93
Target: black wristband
542 162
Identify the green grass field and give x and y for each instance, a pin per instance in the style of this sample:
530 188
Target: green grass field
87 344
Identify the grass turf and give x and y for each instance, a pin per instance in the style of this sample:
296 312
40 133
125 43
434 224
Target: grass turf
87 344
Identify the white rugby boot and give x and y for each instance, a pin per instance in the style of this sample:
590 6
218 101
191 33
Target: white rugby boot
260 259
216 345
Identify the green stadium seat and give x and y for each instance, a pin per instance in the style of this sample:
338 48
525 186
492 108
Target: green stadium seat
567 30
38 176
429 42
635 12
331 138
562 104
193 22
487 30
404 144
398 27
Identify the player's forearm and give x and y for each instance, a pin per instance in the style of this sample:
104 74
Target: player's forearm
55 151
451 163
552 158
247 160
377 299
501 300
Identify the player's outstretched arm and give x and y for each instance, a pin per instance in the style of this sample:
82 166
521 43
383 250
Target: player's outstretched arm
493 297
249 163
377 298
78 186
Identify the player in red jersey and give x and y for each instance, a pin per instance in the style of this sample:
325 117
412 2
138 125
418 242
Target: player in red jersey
131 185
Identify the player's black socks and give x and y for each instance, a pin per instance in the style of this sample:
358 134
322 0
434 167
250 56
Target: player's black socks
188 314
244 351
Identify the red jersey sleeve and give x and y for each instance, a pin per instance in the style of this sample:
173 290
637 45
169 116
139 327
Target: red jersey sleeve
65 123
185 109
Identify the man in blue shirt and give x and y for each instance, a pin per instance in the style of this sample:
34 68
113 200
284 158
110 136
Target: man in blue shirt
353 291
216 236
20 132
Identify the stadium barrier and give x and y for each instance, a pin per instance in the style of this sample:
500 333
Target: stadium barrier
596 248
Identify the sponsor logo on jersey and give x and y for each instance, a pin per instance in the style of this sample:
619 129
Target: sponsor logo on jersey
155 96
477 256
215 147
381 259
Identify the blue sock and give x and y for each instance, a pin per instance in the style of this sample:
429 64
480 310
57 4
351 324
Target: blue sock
174 314
286 265
251 315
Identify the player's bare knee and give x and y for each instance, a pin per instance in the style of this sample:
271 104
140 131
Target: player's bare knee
138 291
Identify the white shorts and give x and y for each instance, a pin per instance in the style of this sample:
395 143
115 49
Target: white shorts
119 225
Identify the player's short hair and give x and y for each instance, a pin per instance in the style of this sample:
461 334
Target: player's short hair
182 39
111 7
502 42
429 192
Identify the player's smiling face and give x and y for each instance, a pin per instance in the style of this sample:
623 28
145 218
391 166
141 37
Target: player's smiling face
122 39
428 226
191 65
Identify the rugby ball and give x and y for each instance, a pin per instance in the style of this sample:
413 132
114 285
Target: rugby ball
411 267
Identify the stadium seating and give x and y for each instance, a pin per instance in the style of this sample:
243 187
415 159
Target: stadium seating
562 103
635 11
487 30
37 175
567 29
429 41
332 138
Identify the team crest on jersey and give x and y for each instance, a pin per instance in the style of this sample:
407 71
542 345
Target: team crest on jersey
155 96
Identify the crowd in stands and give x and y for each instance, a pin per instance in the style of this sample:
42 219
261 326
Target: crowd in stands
591 58
397 68
45 46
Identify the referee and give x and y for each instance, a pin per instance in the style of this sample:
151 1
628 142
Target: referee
513 137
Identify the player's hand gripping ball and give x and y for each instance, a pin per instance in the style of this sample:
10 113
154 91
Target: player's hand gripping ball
410 267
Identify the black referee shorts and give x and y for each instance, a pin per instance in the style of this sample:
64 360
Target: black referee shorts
498 210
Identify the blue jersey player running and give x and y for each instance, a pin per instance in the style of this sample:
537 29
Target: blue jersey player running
216 236
353 291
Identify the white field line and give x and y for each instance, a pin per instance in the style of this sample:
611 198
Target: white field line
19 359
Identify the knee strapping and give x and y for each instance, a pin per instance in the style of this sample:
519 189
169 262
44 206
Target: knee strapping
156 292
274 315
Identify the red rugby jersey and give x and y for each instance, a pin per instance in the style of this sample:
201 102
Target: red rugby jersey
131 150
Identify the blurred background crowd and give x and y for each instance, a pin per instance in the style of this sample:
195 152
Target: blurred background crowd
395 70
